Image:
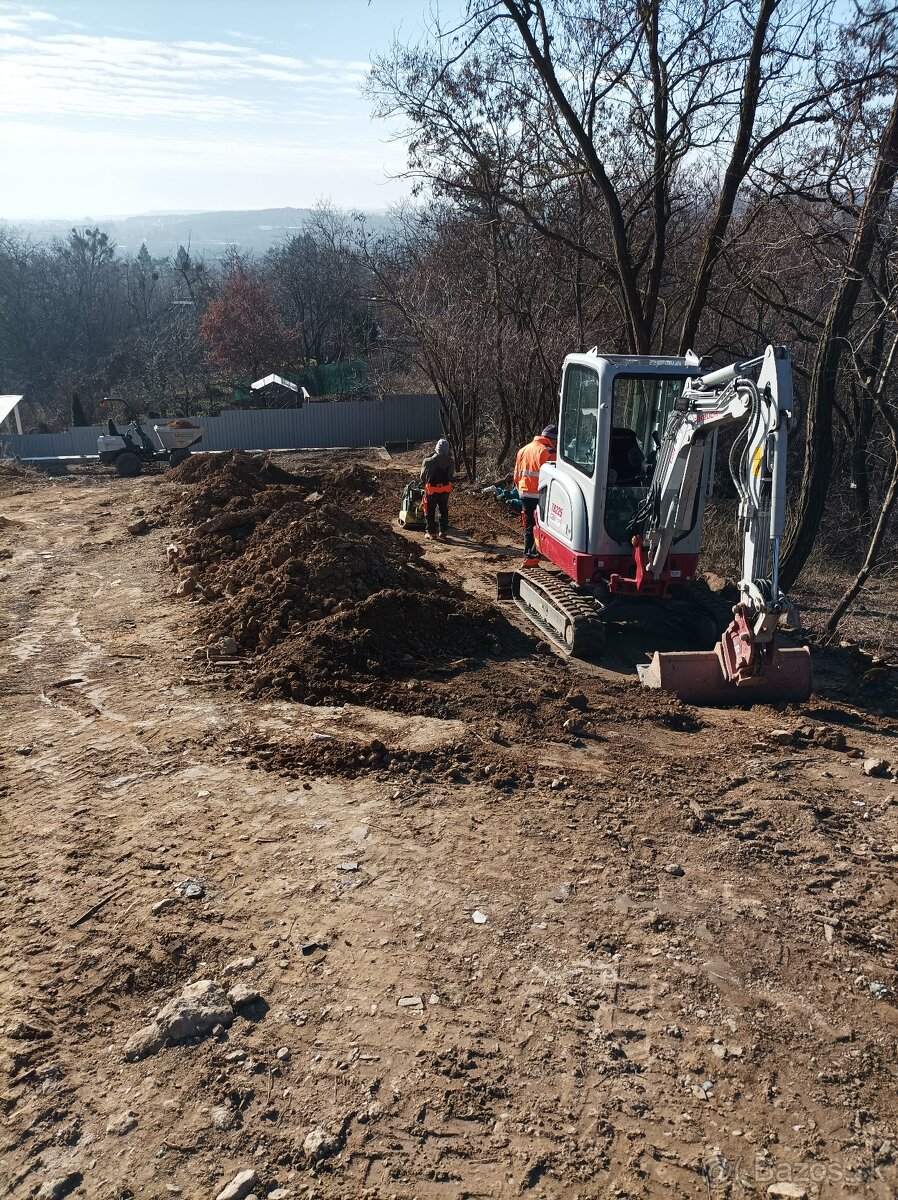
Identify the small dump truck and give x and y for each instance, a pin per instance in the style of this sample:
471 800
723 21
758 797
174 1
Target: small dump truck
127 453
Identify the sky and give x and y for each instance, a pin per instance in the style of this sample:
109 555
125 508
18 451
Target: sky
118 107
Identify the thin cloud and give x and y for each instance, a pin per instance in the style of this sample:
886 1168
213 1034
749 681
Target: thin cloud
246 37
58 74
15 17
25 13
187 172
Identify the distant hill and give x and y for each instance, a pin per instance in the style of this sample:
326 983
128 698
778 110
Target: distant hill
208 233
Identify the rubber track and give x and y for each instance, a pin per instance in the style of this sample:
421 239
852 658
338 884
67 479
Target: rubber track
583 612
715 608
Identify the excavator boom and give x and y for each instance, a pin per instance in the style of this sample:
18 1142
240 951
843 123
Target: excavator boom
748 664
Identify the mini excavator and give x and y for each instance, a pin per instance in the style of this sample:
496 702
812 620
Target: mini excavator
620 519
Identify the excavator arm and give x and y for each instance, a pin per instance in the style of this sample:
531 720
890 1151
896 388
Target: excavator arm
748 654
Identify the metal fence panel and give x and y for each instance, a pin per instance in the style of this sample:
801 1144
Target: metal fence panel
345 423
411 419
52 445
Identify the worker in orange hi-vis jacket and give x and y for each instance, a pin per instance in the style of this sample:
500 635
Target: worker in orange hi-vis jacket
526 479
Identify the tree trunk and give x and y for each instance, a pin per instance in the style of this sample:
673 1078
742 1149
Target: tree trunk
499 339
882 525
860 475
732 180
639 334
815 480
578 270
79 418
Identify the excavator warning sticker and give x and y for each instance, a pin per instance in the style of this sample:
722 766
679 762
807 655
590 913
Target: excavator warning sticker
558 518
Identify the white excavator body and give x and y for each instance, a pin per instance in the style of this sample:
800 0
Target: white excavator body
621 511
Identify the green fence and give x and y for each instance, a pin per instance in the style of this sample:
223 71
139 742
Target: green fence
319 379
334 379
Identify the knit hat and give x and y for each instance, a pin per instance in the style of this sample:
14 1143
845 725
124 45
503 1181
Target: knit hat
443 447
550 431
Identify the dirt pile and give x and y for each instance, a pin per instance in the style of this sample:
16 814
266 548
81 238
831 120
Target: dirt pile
354 478
218 482
350 757
15 476
327 600
393 635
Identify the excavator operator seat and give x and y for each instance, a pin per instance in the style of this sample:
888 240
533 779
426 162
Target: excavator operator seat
625 458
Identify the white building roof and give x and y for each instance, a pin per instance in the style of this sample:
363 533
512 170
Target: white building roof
7 404
287 383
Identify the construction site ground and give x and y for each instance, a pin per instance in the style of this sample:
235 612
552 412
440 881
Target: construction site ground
504 925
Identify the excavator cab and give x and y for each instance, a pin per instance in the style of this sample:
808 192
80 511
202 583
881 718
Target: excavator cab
614 411
640 408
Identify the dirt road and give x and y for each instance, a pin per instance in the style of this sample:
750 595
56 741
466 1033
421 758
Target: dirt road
652 954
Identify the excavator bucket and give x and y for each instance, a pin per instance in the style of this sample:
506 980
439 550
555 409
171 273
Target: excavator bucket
699 677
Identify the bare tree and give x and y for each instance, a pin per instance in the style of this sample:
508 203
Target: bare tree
831 348
882 391
321 285
658 114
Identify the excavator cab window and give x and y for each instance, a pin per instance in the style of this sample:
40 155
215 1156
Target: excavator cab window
579 418
641 406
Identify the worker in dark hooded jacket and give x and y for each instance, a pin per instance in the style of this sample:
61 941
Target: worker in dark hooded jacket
437 474
526 479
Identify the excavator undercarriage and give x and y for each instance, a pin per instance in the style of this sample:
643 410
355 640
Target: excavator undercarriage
579 624
571 619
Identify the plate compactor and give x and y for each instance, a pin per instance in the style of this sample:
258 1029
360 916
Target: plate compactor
621 509
411 512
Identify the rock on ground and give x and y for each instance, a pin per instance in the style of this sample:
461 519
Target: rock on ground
196 1009
318 1144
240 1186
242 994
56 1189
123 1123
240 964
222 1117
787 1191
876 767
784 737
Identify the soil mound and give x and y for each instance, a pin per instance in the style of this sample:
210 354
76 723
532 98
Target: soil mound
355 478
392 635
327 601
301 563
226 481
15 476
